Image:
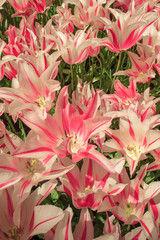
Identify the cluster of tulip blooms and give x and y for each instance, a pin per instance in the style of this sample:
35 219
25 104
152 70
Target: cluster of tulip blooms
102 149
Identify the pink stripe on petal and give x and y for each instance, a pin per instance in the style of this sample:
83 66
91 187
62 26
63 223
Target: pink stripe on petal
9 139
16 6
69 60
144 142
45 60
119 217
66 190
154 192
114 191
136 65
153 167
136 192
35 69
75 181
91 3
153 142
76 41
46 160
103 181
154 209
119 24
111 202
14 95
9 204
144 28
96 10
47 220
2 185
88 177
31 223
131 40
23 187
47 132
53 231
133 164
67 228
114 37
53 171
131 131
83 55
9 168
116 139
137 236
85 228
41 149
95 128
146 228
44 195
99 141
2 146
100 158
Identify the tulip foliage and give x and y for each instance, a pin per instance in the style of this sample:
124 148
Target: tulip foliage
80 119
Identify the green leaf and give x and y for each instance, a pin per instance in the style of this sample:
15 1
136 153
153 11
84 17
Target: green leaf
54 195
149 177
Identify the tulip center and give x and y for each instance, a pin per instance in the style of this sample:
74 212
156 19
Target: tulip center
128 101
74 144
141 73
33 166
130 209
87 188
41 102
14 233
134 151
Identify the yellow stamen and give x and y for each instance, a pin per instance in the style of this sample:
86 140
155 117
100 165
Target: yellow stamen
41 102
87 188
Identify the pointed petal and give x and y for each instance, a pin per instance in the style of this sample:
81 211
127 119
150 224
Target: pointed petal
45 218
84 229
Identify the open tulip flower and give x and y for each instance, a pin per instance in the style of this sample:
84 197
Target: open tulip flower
80 119
24 173
74 48
86 11
86 192
126 30
41 90
134 139
69 132
142 70
31 219
29 6
83 231
130 204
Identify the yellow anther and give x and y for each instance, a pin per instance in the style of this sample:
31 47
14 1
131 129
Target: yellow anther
41 102
31 165
14 233
87 188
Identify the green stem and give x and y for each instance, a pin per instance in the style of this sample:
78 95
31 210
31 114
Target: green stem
117 68
10 123
101 70
61 75
92 71
59 2
157 175
23 133
72 79
128 228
